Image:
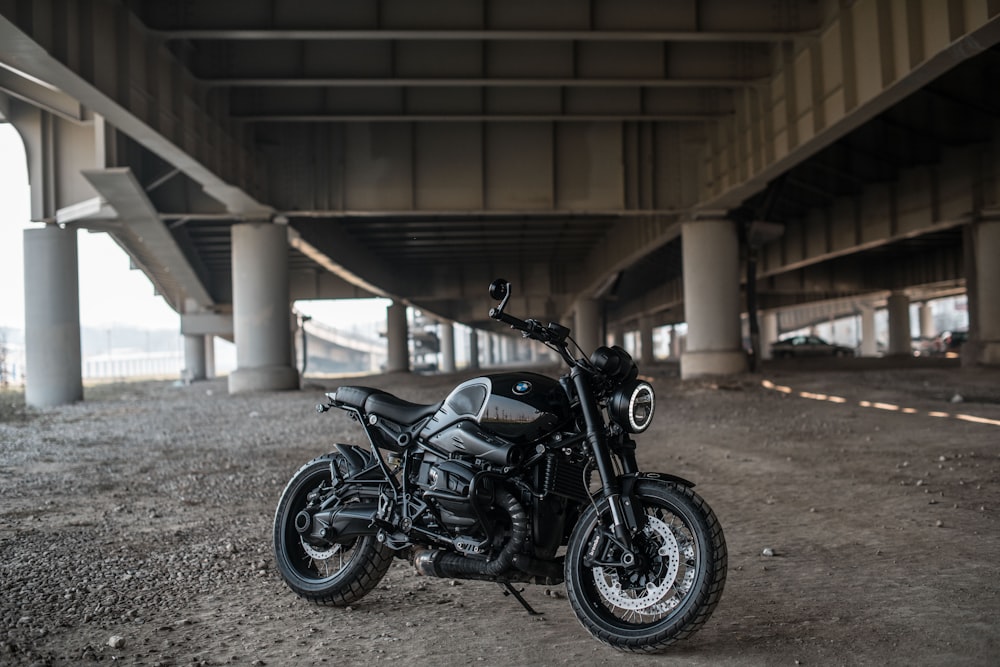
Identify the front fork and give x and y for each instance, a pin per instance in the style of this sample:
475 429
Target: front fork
626 519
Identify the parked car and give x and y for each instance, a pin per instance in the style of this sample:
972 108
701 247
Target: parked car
808 346
949 343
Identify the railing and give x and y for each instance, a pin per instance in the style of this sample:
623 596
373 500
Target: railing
132 365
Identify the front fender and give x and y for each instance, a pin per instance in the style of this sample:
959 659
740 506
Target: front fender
637 520
629 480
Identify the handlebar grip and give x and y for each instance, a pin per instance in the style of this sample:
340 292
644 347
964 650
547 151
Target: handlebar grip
501 316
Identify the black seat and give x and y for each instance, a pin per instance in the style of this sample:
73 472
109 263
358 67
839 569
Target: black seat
375 401
396 409
355 397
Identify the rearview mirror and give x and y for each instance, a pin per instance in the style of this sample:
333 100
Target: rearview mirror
499 289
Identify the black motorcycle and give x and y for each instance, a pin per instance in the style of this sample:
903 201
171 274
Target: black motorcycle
494 481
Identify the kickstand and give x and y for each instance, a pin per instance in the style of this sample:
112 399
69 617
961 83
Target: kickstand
510 590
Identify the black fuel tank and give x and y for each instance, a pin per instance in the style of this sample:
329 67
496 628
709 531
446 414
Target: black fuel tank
524 406
519 407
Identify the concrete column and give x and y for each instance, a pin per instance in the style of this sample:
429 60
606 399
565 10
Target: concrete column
927 330
587 325
54 374
646 340
618 336
447 347
194 358
900 341
260 309
675 343
473 349
712 299
986 304
209 357
397 335
869 343
509 350
768 333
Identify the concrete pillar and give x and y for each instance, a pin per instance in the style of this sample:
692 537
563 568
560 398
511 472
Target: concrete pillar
473 349
986 304
397 335
869 343
711 257
900 342
927 330
194 358
447 347
618 336
768 333
675 343
509 350
260 309
587 325
645 340
209 357
54 374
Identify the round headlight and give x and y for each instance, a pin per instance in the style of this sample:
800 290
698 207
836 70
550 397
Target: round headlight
631 406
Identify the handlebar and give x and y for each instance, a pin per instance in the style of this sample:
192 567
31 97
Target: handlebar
554 333
514 322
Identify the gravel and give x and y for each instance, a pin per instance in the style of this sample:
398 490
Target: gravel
136 526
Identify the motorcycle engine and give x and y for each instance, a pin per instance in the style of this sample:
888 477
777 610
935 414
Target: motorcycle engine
446 486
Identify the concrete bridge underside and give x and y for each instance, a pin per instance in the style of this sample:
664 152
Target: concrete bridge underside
624 164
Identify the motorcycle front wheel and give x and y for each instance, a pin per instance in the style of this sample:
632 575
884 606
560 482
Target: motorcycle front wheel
675 584
338 574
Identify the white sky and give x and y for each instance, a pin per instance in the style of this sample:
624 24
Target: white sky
110 292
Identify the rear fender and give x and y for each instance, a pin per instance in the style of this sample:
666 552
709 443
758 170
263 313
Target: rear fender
362 466
356 475
357 458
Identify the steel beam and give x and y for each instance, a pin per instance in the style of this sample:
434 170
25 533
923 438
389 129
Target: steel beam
148 241
827 87
160 112
284 34
476 82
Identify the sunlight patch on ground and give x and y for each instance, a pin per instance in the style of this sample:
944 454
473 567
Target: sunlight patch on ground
877 405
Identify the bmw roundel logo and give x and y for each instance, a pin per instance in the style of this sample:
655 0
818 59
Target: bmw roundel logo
522 387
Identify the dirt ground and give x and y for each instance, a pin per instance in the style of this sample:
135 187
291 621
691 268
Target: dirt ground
144 514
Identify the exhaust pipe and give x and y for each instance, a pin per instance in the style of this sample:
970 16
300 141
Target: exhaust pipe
441 563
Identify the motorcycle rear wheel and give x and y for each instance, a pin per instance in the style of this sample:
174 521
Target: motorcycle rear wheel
672 594
336 575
